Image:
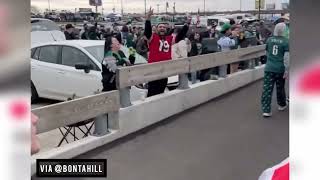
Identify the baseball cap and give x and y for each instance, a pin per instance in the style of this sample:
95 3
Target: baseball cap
225 27
286 17
68 26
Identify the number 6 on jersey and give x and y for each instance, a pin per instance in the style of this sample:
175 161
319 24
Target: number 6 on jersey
275 50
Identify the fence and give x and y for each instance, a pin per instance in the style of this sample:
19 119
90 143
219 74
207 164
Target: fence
82 109
134 75
75 111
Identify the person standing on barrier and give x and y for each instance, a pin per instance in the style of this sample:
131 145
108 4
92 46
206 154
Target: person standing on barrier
113 57
275 70
160 45
226 42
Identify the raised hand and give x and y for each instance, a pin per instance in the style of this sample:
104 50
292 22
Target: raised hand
149 14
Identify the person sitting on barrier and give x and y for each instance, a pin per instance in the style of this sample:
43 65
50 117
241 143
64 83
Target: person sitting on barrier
113 57
275 70
160 45
226 42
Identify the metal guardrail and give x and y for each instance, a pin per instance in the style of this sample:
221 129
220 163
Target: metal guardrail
134 75
96 106
71 112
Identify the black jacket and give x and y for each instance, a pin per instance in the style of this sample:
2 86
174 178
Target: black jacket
108 73
142 47
207 34
69 36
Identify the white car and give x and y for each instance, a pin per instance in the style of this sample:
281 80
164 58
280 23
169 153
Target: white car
45 30
65 70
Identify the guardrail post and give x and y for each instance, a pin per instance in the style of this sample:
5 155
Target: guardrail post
252 63
101 126
125 97
183 81
194 77
125 100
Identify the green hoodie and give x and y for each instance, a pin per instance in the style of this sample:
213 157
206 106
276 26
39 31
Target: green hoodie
287 32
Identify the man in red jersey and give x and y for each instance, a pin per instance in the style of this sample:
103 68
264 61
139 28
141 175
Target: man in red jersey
160 44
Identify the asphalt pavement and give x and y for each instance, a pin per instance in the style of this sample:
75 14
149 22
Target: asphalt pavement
224 139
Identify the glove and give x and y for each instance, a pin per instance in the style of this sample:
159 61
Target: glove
132 55
110 63
132 59
132 51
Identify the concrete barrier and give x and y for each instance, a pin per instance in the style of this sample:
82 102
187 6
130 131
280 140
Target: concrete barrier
145 113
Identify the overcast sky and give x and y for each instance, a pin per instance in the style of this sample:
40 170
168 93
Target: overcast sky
138 5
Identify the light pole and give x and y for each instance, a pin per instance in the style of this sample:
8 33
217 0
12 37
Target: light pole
49 4
145 7
240 5
204 7
122 7
259 10
158 7
166 8
174 10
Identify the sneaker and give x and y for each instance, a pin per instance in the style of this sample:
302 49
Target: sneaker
267 114
282 108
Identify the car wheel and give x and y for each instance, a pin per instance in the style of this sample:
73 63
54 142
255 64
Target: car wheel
34 94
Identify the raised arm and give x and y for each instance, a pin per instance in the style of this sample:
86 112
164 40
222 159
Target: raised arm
185 29
148 28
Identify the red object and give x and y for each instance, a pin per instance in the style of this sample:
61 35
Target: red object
19 110
160 48
277 172
282 173
309 83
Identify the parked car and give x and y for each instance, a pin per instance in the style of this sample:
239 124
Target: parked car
65 70
45 30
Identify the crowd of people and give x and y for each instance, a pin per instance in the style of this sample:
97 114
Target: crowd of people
162 43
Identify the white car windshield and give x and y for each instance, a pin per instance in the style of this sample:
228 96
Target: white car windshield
43 25
98 53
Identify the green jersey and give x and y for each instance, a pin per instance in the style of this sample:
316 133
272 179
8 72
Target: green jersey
287 32
276 47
